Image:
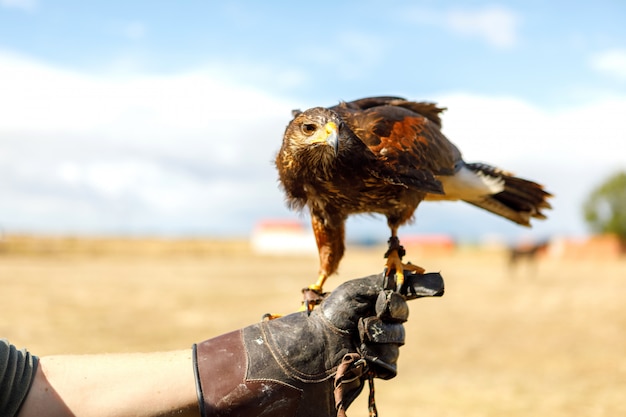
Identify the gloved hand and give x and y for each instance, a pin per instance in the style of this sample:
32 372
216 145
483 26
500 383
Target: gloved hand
309 365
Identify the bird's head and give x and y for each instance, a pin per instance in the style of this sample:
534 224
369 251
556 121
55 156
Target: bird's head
314 133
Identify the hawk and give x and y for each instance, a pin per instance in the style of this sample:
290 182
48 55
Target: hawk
386 155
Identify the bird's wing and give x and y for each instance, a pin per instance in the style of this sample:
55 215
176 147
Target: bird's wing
427 109
405 136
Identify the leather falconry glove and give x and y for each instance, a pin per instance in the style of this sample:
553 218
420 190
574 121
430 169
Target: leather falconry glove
309 365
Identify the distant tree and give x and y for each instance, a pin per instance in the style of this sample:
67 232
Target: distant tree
605 208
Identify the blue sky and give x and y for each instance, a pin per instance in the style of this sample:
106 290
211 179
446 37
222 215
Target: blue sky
163 117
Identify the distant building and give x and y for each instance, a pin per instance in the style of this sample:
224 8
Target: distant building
599 247
428 245
283 237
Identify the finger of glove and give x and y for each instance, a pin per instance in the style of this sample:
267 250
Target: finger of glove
382 358
374 330
391 307
380 344
352 300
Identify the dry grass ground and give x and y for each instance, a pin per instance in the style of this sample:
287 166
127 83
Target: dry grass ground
544 342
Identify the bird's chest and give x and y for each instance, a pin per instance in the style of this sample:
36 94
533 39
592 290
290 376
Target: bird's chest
352 195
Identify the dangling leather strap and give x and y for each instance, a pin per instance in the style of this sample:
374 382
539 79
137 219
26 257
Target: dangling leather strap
371 402
349 378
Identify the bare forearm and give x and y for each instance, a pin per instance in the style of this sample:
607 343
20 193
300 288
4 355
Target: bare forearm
116 385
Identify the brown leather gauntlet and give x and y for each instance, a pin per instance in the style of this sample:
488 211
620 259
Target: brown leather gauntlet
267 369
305 365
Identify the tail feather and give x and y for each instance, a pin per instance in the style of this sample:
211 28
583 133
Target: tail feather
519 201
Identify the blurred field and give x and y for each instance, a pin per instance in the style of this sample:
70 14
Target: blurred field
549 341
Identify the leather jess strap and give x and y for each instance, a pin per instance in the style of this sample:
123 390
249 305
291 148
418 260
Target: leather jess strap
349 383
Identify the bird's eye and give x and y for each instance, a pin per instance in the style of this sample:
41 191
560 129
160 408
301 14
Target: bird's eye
308 128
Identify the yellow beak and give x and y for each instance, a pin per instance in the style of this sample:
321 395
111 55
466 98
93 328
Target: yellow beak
328 136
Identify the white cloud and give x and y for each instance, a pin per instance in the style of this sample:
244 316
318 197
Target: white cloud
36 97
512 130
130 29
352 55
134 30
71 141
27 5
498 26
611 63
193 151
568 150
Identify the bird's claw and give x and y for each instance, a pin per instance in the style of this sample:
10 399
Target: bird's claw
395 280
311 297
417 283
394 267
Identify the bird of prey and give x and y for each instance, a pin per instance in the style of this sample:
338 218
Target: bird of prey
386 155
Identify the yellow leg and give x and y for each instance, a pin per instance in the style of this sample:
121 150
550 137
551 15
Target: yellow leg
313 294
319 284
394 261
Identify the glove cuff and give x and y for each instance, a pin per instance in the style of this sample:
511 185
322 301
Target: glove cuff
280 368
224 388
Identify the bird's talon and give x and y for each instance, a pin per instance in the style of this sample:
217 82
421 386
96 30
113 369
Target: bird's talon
313 296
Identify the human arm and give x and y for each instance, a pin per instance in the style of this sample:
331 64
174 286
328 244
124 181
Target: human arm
113 385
